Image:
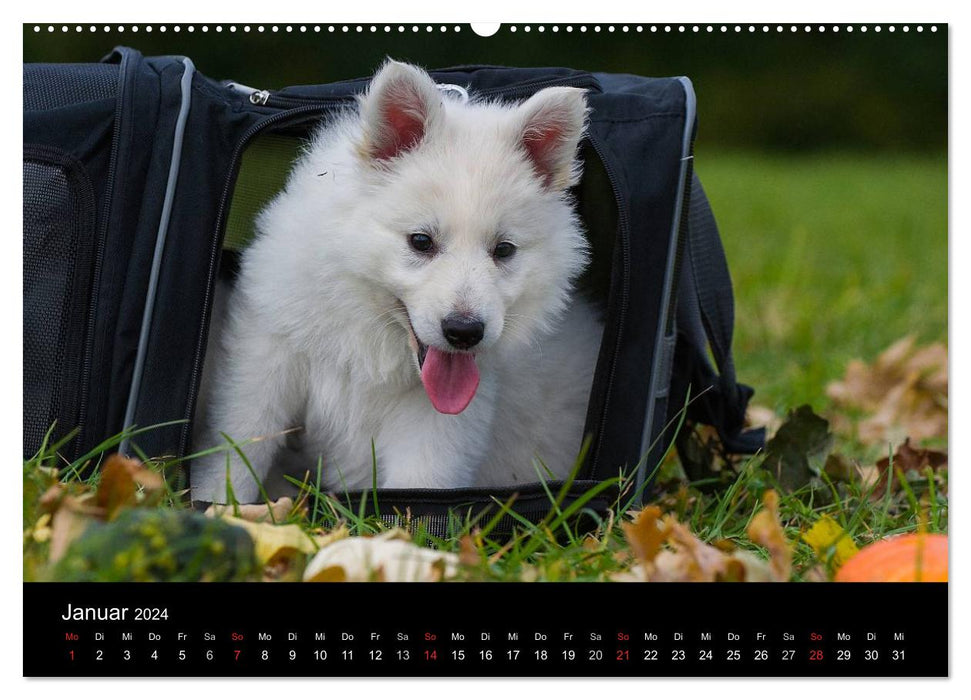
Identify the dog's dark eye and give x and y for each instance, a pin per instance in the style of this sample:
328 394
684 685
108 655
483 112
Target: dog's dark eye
504 250
421 242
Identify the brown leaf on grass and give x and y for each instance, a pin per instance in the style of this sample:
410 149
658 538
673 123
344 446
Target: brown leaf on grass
765 529
67 525
468 552
275 512
687 558
906 460
120 478
905 390
70 512
645 535
117 487
72 508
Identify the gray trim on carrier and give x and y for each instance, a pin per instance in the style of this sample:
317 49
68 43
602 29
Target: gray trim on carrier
664 356
163 227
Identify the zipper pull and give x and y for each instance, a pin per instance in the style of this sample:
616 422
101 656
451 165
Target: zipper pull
259 97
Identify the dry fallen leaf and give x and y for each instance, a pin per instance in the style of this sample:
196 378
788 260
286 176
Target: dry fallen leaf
906 460
277 511
645 534
766 530
68 523
687 558
118 486
469 554
390 556
905 391
70 514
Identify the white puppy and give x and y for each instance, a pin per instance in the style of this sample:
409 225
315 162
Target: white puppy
410 289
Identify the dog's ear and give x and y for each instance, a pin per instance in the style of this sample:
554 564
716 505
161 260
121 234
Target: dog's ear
400 106
553 122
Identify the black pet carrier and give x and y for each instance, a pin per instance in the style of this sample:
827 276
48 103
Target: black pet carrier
141 180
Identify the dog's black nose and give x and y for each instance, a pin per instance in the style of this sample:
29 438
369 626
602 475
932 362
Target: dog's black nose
462 332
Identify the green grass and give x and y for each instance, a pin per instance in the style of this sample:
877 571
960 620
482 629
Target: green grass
554 550
833 257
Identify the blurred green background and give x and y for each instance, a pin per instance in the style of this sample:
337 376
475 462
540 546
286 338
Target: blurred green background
824 155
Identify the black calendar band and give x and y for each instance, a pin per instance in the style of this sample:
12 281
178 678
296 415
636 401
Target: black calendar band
473 629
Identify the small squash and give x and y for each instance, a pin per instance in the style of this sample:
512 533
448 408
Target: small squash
916 557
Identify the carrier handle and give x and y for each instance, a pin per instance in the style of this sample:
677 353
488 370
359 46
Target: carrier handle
706 318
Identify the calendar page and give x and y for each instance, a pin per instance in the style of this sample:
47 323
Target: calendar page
546 349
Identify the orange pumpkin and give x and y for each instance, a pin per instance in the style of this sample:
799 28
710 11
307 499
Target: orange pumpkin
916 557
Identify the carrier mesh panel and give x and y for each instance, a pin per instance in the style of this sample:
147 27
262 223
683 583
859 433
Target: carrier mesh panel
50 256
49 86
445 525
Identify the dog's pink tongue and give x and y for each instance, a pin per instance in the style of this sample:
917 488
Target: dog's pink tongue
450 380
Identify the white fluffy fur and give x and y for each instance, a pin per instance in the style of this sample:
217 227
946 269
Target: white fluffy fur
316 336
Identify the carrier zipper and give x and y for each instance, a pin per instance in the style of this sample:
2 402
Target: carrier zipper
682 238
99 246
623 225
267 98
295 115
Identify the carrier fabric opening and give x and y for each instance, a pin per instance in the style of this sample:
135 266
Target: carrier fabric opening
628 202
263 170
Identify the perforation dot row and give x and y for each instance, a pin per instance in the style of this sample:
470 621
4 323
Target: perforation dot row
400 28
